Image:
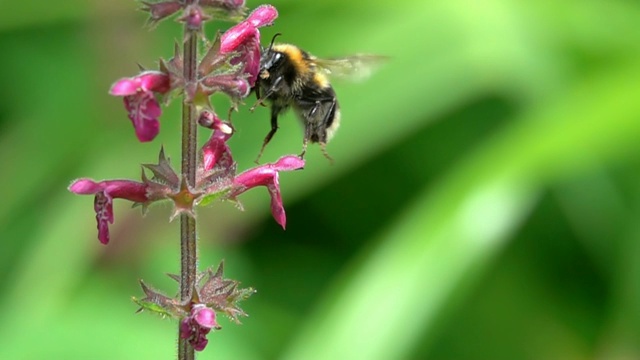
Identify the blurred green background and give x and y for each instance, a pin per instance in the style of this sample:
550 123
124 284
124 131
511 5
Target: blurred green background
484 202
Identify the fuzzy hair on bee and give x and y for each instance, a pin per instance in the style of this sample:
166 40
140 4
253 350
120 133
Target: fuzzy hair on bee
290 77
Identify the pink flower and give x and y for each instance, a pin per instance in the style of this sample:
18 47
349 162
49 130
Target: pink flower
140 101
236 88
216 151
197 325
244 39
105 192
263 15
267 175
216 155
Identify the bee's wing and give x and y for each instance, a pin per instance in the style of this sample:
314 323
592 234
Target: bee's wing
355 67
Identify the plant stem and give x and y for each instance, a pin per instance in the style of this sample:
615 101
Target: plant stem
188 248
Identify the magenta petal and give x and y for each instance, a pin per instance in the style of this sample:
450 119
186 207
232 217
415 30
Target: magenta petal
103 206
85 187
261 175
199 343
263 15
206 318
267 175
288 163
126 189
252 62
209 119
155 81
277 209
238 88
125 87
105 192
212 152
197 325
236 36
229 84
244 38
144 111
185 328
216 151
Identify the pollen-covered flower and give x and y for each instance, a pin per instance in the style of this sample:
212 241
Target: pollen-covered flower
140 101
105 192
244 40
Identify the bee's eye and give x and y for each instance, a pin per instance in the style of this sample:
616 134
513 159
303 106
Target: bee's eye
272 60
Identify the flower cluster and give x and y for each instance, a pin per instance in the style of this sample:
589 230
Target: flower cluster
230 66
198 314
215 179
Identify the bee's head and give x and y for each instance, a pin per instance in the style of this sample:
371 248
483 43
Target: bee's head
270 59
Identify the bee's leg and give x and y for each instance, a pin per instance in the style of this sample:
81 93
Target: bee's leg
256 88
304 147
328 117
323 148
233 107
316 131
269 92
275 110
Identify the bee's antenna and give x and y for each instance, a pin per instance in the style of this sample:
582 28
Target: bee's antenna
273 40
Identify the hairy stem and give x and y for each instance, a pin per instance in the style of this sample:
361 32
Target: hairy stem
188 249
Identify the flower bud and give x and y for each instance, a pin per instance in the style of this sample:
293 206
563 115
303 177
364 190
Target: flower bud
263 15
161 10
194 17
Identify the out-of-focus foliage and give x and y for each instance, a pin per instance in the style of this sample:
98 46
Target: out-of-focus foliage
484 203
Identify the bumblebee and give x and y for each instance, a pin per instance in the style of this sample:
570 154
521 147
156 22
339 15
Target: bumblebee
290 77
